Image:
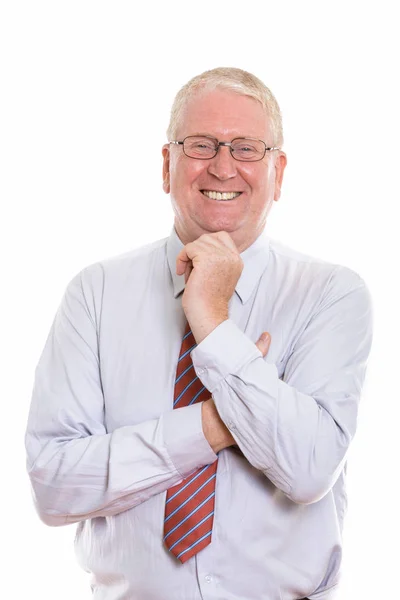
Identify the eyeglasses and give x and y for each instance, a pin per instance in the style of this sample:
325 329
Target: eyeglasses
205 147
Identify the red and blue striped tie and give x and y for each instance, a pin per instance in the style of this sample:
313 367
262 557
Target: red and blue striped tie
189 508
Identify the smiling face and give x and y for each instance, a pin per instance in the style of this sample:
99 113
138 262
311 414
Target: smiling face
224 115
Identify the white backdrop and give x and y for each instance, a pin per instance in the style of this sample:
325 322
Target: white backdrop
80 82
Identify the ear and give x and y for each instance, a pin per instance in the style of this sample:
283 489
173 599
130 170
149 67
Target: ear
280 164
165 171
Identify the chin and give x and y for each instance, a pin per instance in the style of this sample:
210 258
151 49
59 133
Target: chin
222 224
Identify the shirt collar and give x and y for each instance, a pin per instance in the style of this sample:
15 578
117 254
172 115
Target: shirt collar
255 259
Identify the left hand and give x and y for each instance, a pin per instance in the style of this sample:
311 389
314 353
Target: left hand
212 266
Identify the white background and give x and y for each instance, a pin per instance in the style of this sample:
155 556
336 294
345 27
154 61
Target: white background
81 82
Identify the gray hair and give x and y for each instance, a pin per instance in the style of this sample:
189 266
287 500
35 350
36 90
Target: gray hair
235 80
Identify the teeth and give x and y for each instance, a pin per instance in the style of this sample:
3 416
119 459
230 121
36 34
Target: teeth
221 195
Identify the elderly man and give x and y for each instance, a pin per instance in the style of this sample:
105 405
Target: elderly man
199 460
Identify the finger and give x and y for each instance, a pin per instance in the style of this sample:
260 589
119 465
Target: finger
263 343
217 239
182 260
226 239
188 270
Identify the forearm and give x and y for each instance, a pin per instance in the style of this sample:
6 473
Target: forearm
297 431
284 433
77 468
103 475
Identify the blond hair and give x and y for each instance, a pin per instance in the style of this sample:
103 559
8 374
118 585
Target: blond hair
235 80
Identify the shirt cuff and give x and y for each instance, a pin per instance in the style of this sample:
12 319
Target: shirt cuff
225 350
184 439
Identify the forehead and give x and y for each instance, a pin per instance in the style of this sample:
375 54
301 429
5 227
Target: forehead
225 115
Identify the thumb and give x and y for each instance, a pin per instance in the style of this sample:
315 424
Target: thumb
188 270
264 343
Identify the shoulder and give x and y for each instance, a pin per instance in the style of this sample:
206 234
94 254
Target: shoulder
91 279
331 280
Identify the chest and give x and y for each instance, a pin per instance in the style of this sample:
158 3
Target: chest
140 342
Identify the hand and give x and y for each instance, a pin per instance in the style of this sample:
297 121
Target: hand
212 266
214 429
263 343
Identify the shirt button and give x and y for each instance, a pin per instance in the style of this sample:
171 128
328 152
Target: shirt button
231 425
200 371
208 578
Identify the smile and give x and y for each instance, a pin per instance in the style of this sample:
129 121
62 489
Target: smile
220 195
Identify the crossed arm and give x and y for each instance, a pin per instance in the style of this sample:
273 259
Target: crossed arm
296 431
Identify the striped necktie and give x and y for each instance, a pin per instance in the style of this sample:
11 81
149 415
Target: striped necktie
189 508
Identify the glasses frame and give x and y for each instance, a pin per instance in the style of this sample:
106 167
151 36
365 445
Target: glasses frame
218 144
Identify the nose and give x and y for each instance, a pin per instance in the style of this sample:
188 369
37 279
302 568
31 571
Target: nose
223 165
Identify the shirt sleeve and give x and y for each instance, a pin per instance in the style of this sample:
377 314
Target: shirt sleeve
297 429
78 470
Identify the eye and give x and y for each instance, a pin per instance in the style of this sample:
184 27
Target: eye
244 148
199 147
205 143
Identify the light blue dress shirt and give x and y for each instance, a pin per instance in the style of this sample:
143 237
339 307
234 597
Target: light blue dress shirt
104 443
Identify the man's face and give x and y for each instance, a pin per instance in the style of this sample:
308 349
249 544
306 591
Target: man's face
225 116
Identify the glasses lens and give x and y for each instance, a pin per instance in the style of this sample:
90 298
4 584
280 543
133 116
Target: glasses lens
199 147
247 149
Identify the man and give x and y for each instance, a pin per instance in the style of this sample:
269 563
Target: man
197 463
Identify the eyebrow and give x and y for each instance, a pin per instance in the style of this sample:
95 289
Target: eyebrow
203 134
215 138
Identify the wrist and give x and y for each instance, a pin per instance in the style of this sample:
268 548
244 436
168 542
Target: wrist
203 324
214 429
